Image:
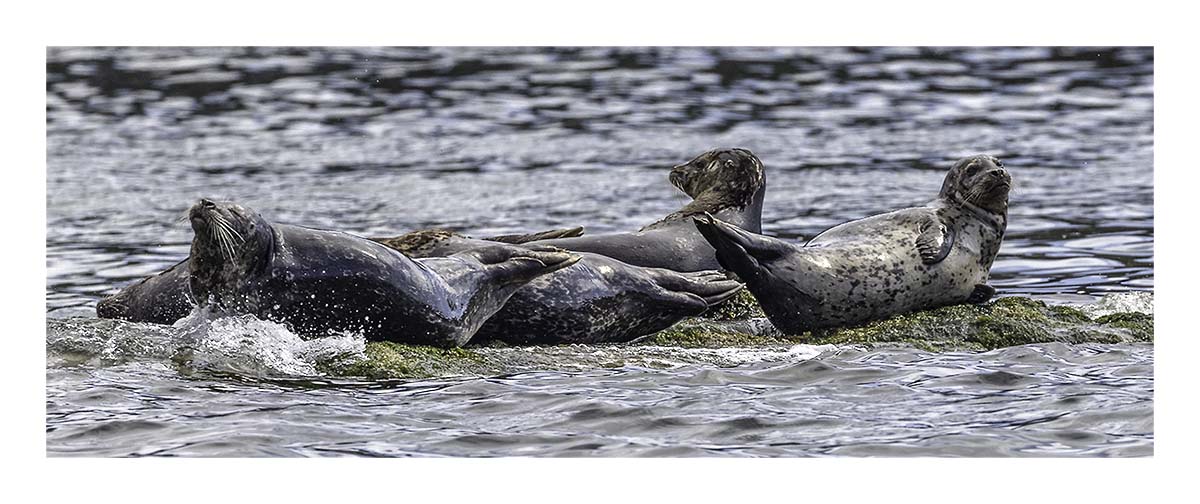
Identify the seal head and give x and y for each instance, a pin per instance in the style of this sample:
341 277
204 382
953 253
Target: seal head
230 241
979 181
719 180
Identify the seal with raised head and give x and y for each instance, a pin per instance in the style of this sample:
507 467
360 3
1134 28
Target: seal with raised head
727 183
317 282
596 300
912 259
166 297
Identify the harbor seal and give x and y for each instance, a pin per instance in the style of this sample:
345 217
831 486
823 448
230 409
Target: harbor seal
165 297
596 300
727 183
911 259
317 282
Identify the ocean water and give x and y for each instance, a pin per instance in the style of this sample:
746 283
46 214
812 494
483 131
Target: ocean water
379 141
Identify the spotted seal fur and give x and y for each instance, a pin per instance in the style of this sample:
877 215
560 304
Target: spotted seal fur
596 300
911 259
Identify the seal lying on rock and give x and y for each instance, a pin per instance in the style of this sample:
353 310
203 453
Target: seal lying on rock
166 297
597 300
317 281
911 259
727 183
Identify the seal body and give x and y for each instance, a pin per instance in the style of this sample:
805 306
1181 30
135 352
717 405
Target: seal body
317 281
911 259
596 300
727 183
161 299
166 297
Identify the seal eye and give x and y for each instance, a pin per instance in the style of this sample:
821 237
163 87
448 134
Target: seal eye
973 168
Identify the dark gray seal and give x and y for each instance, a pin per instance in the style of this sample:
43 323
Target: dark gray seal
318 282
911 259
162 298
727 183
596 300
166 297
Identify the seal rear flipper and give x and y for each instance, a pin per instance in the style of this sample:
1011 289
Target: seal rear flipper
981 294
730 255
544 235
738 250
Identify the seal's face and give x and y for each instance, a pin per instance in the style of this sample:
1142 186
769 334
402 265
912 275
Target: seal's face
227 230
730 172
979 180
230 241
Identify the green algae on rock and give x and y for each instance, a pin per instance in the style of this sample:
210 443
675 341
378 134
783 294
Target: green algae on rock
1009 321
1005 322
741 306
385 359
1140 325
698 333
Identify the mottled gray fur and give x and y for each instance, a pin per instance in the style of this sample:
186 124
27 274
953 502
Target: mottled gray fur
897 262
596 300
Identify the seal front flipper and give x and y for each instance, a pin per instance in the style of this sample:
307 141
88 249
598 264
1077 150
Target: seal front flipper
935 241
739 250
982 293
544 235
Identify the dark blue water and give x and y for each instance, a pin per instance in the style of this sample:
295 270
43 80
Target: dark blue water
497 140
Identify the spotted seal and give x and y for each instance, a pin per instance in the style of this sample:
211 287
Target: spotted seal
317 282
727 183
911 259
165 297
596 300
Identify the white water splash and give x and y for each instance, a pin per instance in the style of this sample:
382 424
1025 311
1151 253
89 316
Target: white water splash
724 357
247 345
795 353
1139 301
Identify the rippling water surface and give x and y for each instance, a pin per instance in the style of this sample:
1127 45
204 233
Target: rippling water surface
497 140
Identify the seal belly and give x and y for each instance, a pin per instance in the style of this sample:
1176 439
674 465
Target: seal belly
851 282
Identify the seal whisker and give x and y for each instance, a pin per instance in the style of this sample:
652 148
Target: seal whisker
229 228
224 241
